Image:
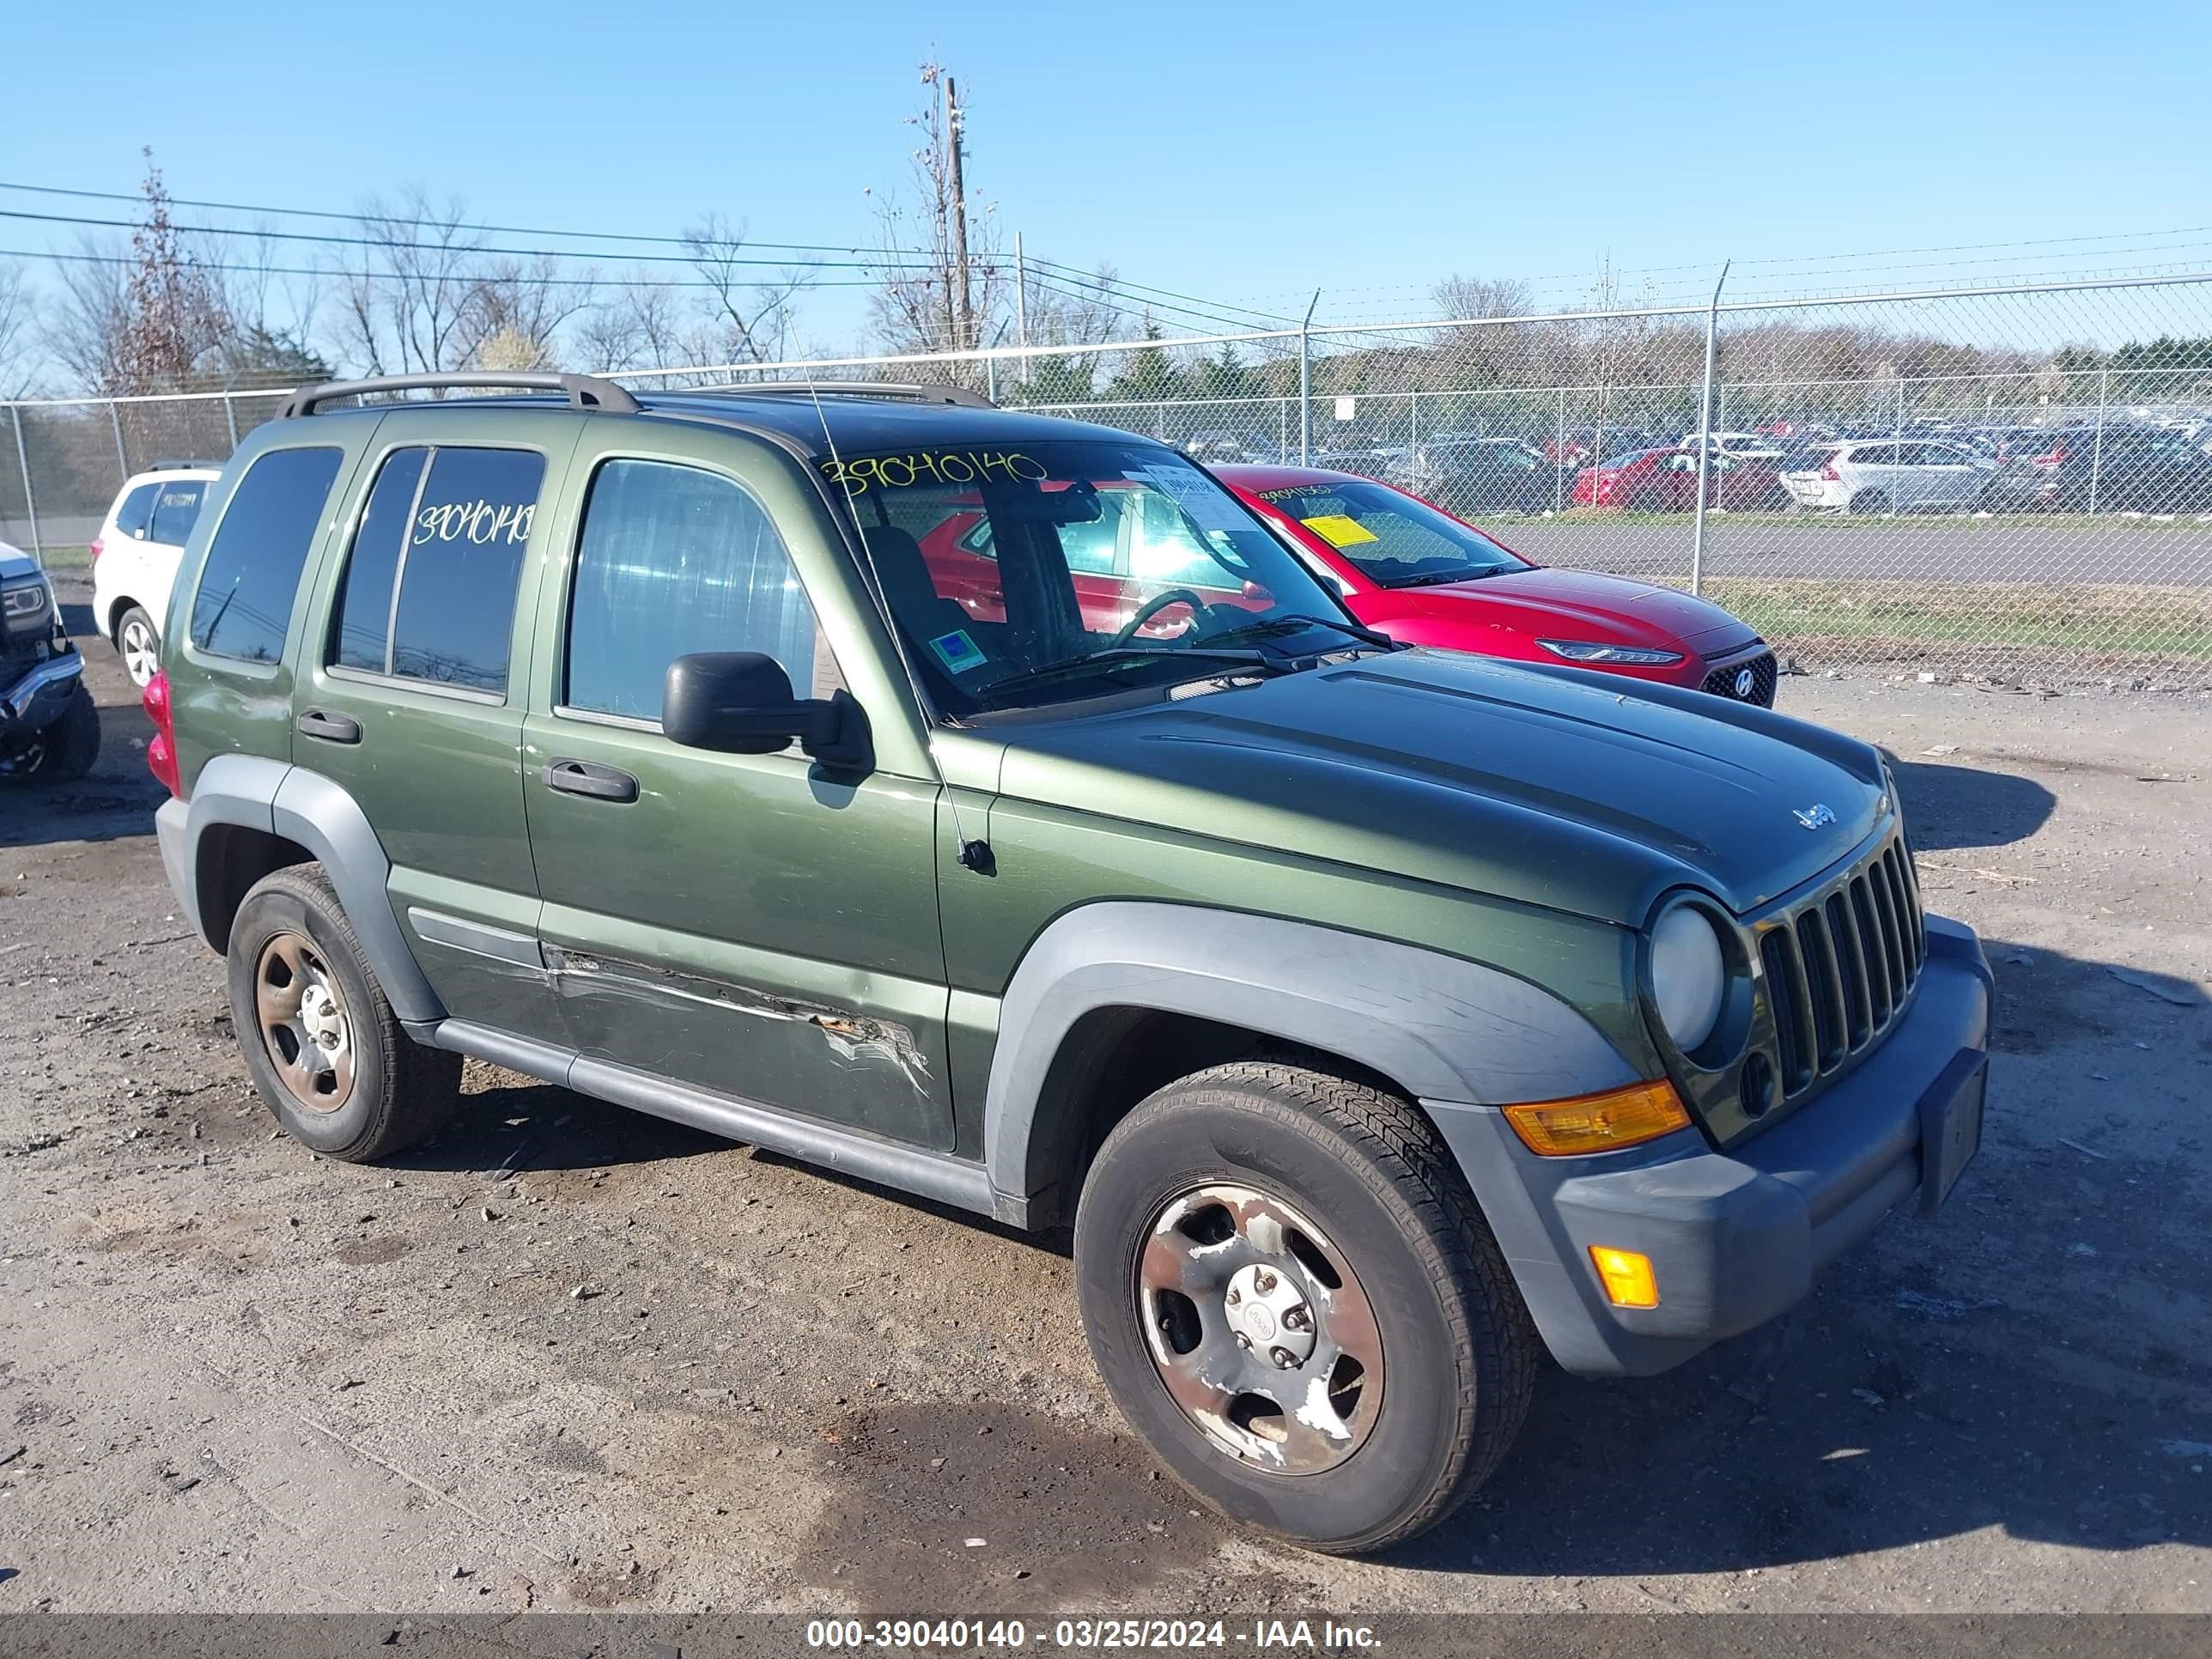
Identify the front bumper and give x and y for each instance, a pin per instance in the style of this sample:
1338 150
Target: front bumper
33 700
1735 1238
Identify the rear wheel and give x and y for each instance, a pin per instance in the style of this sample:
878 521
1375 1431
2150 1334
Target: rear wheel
1870 503
324 1047
1291 1296
138 642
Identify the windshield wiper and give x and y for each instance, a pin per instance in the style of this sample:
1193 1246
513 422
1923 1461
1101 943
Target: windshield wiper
1438 578
1297 622
1115 656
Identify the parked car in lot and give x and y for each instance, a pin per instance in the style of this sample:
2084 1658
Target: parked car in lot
2130 469
1381 1017
1415 573
1666 480
49 728
1468 474
134 557
1888 475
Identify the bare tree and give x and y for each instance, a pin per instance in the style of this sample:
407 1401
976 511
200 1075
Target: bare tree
750 318
515 313
641 324
18 339
407 309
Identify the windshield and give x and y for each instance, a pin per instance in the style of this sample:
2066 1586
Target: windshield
1391 536
1105 565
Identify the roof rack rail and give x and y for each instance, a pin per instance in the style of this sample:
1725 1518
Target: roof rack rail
584 390
183 463
891 390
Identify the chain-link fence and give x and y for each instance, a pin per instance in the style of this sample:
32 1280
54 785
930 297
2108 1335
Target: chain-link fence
2013 483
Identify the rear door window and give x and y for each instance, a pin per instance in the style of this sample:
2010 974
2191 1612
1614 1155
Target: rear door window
176 510
244 603
429 592
137 508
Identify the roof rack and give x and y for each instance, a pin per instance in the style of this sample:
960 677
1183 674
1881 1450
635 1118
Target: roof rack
184 464
584 390
888 390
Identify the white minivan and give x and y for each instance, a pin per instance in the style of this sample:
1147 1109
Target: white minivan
133 559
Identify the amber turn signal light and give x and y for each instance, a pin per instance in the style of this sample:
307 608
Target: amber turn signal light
1602 1123
1626 1275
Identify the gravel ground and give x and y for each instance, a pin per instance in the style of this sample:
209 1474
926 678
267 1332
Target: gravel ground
568 1357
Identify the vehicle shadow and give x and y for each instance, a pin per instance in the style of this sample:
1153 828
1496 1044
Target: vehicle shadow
1951 808
112 802
2032 1360
527 1126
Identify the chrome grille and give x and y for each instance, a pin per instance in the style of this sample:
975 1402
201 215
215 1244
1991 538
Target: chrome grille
1840 964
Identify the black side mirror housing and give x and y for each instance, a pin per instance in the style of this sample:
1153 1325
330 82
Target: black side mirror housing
741 703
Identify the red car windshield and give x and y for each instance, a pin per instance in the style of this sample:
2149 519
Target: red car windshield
1391 538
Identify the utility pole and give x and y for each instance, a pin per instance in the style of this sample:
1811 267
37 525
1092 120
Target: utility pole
955 142
1022 306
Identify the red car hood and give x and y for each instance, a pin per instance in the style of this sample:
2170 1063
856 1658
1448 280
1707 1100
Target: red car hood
1580 605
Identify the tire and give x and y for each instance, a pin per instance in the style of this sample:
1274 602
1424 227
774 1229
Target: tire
1869 503
138 642
395 1093
1455 1351
64 751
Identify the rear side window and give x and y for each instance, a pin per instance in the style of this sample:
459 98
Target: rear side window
244 603
137 508
429 593
675 560
176 510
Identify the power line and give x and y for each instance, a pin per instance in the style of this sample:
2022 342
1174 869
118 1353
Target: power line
694 259
397 219
379 276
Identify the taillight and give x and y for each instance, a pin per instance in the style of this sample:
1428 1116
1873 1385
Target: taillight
99 546
161 750
1829 474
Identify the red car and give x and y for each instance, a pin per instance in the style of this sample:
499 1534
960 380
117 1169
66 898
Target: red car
1666 480
1419 574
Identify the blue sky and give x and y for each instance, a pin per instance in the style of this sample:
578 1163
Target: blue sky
1238 153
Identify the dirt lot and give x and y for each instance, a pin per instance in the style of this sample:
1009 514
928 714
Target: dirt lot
570 1357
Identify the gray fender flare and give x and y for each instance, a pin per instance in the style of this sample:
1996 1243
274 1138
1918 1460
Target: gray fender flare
279 799
1441 1027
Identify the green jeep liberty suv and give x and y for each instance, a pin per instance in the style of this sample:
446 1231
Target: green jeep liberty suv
987 805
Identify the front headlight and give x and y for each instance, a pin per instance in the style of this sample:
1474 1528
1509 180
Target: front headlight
1688 975
22 601
1593 650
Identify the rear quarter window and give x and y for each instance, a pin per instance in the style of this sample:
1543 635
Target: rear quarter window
137 508
244 602
176 510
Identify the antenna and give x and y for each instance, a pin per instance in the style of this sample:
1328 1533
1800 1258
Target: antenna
974 854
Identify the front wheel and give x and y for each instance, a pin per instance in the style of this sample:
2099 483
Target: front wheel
1292 1297
61 752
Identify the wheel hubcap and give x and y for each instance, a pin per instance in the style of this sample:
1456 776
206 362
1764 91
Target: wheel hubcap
1259 1328
140 653
304 1025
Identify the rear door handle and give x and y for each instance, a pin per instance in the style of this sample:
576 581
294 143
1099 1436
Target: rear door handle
576 777
331 728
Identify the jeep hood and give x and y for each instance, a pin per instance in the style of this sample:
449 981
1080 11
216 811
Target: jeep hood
1572 790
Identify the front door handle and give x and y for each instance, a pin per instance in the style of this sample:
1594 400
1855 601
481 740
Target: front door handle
331 728
576 777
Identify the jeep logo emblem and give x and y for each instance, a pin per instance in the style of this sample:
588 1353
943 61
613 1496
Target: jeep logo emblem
1815 816
1744 682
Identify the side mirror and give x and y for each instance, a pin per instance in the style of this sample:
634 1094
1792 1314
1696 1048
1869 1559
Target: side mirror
741 703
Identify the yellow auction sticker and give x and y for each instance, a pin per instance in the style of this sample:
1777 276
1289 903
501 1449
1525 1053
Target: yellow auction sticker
1340 529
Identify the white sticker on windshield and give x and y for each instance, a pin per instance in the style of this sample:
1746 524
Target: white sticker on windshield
1208 505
